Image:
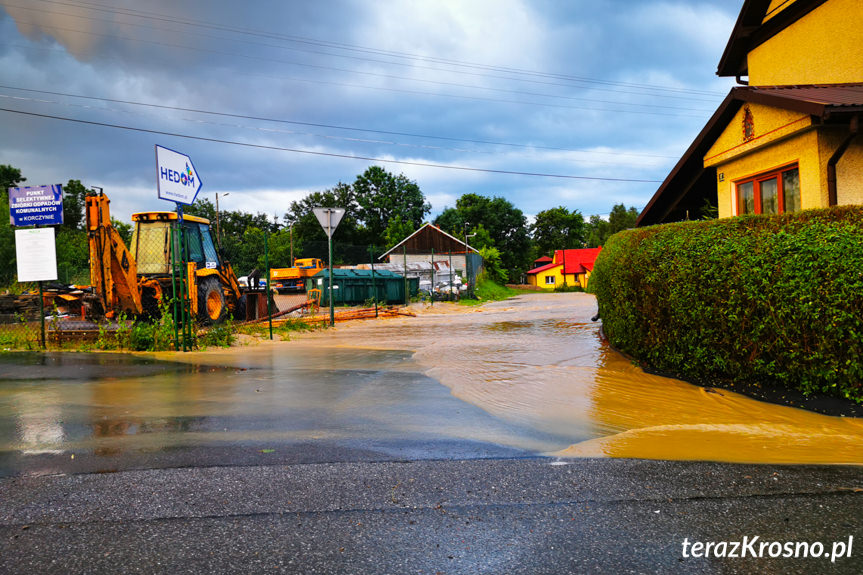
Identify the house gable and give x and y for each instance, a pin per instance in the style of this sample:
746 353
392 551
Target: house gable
752 127
810 122
427 239
760 21
805 51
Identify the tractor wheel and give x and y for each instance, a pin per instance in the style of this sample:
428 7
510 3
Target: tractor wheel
211 301
150 303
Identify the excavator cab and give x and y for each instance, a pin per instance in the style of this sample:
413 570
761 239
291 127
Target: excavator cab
210 279
137 279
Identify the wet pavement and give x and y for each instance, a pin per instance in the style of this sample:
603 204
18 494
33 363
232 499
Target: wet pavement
458 441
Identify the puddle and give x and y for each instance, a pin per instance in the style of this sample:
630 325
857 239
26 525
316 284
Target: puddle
539 363
521 377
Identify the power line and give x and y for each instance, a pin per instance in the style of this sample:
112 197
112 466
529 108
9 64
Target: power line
394 90
329 126
327 154
362 49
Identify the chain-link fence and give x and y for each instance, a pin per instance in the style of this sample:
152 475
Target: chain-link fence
171 282
364 275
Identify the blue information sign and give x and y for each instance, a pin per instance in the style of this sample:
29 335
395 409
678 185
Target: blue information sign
36 205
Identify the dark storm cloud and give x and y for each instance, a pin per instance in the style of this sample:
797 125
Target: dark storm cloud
546 74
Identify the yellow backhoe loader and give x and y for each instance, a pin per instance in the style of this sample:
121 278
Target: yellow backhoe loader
137 279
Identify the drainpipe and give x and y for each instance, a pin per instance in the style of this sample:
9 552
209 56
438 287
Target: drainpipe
739 79
834 159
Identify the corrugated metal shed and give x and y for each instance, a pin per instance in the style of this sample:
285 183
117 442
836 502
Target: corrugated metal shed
355 286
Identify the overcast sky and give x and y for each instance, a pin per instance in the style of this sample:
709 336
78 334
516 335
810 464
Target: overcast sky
605 96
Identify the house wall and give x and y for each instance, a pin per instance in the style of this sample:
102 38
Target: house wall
769 125
541 278
849 174
571 279
781 138
803 149
806 52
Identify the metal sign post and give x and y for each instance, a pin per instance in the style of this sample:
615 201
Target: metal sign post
374 284
329 219
176 178
177 181
36 256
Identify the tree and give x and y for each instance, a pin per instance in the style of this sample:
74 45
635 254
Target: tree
124 229
234 225
492 265
310 241
597 232
620 218
557 229
397 230
381 197
9 178
74 204
479 238
505 224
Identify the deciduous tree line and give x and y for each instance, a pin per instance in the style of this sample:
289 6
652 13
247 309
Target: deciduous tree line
381 209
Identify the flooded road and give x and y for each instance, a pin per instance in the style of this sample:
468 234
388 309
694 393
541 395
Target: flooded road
517 378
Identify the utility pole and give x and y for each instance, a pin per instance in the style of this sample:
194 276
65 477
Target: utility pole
218 222
466 268
329 219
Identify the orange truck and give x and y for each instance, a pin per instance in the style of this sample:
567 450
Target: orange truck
293 279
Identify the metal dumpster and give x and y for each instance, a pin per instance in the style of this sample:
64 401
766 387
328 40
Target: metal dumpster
351 287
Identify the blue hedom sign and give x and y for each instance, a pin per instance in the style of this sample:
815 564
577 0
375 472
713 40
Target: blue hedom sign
36 205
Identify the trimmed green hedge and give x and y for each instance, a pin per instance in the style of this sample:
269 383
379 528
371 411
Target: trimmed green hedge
750 299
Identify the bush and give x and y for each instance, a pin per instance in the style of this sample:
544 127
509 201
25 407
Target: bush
487 290
220 335
750 299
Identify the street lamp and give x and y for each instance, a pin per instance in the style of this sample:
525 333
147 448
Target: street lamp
218 224
466 260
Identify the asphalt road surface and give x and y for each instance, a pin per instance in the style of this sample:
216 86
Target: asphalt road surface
522 515
307 459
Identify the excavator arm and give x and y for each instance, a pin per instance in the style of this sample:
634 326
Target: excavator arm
113 271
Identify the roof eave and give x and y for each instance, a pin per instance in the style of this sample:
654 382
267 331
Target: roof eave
717 121
749 32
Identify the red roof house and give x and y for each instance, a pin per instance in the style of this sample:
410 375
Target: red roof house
567 268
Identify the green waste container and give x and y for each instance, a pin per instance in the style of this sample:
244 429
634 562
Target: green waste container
351 287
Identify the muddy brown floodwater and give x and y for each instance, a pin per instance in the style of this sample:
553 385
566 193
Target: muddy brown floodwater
530 375
539 363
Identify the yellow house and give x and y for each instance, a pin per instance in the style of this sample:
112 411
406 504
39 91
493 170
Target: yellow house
787 139
567 268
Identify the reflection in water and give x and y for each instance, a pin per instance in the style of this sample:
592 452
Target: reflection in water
530 374
539 362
